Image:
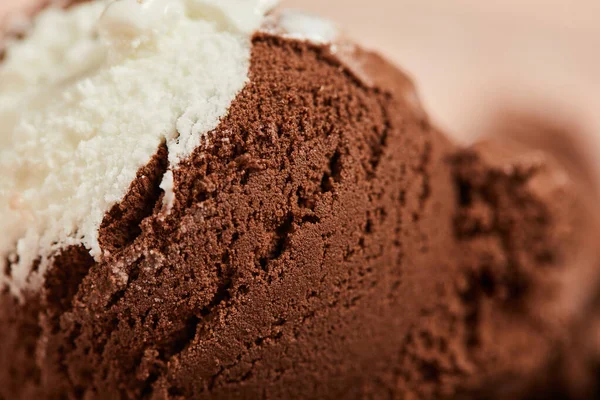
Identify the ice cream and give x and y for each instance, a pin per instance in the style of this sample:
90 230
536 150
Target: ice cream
203 199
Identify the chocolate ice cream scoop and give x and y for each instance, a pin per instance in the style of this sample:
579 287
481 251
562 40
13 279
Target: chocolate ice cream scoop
212 199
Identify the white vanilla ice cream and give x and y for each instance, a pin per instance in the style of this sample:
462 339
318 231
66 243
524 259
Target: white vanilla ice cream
86 100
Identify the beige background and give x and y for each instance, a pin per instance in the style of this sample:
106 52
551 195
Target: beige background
472 57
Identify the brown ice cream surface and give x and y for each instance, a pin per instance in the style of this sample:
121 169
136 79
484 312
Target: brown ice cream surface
327 242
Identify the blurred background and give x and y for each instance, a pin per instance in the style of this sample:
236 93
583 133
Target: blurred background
473 60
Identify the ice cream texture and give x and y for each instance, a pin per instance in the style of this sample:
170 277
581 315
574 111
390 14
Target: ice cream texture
215 199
